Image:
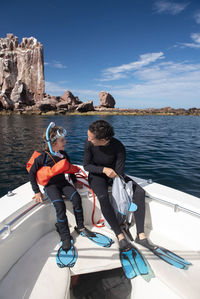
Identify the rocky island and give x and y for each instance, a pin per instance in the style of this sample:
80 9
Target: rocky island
22 86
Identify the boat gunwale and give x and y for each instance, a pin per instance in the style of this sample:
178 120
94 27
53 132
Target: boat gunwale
176 207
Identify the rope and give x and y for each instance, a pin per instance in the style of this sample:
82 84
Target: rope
100 222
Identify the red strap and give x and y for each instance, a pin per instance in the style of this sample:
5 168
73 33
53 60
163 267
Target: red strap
100 222
50 156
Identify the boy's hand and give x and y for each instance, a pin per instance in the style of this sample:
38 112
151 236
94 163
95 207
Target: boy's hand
38 197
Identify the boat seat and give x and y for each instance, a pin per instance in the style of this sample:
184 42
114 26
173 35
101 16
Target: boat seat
35 272
184 283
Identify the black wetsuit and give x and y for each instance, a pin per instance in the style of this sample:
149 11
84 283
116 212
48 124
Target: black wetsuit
57 186
113 156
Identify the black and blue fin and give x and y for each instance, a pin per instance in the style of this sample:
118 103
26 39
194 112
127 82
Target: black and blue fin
133 263
164 254
171 258
66 258
95 237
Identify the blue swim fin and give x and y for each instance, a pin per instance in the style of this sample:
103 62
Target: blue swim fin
165 254
66 259
171 258
95 237
133 263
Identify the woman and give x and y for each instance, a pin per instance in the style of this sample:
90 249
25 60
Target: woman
104 159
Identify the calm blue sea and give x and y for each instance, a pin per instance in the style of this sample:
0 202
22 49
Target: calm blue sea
163 148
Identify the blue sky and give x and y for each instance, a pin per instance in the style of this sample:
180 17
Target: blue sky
146 53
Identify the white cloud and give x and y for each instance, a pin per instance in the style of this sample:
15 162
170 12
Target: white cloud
196 41
122 71
197 17
164 84
59 65
169 7
196 37
191 45
86 92
53 88
55 64
63 82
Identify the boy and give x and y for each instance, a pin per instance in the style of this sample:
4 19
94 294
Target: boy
57 184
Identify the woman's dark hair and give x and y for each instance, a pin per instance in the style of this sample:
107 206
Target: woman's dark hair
101 129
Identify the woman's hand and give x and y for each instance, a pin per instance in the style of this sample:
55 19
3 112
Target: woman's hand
38 197
109 172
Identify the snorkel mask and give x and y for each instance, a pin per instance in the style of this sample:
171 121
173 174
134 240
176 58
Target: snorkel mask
60 133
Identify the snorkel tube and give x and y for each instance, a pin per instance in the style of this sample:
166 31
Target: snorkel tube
51 125
61 132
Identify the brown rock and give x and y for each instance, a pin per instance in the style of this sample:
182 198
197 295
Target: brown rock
70 99
167 110
180 111
47 104
193 110
44 107
71 108
5 102
84 107
21 69
106 100
52 99
17 90
21 95
62 105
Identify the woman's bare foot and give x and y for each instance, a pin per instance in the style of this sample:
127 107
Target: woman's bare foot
142 236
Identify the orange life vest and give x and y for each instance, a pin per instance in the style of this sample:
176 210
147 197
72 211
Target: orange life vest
45 173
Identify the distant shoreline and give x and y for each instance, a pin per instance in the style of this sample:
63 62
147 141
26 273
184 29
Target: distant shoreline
111 111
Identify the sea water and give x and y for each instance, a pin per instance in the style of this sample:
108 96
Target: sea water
165 149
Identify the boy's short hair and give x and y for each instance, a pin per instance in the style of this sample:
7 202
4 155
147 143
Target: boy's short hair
101 129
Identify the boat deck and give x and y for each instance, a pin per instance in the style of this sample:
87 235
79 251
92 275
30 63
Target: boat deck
36 271
31 247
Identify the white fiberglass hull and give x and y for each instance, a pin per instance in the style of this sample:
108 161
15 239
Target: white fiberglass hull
28 246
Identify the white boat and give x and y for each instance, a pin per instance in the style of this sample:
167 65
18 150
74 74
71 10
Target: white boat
29 242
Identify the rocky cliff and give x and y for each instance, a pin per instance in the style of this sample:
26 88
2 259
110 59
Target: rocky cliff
22 86
21 72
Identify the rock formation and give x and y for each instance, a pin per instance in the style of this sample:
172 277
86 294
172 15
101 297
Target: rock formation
67 102
70 99
21 72
22 85
106 100
48 103
84 107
